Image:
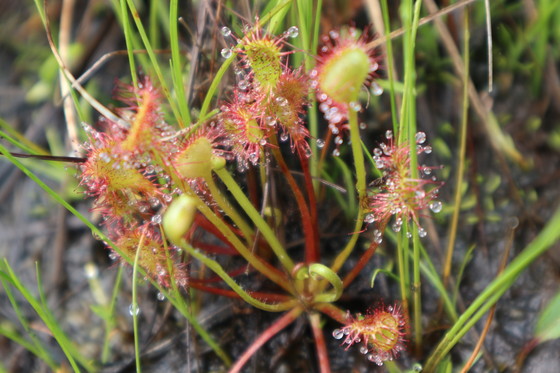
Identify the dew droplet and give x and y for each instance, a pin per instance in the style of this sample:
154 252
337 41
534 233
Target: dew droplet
243 84
369 218
282 101
376 89
417 367
427 149
270 121
355 105
338 333
308 152
363 350
408 235
363 125
91 271
320 143
420 137
336 152
160 296
373 67
133 310
338 140
225 31
226 53
293 32
284 136
422 232
156 219
436 206
389 134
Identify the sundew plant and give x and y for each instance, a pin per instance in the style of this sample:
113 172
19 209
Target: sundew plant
258 173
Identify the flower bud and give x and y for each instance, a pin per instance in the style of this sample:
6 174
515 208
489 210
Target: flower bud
344 73
198 159
178 218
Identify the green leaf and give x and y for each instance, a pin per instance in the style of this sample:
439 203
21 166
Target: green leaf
548 324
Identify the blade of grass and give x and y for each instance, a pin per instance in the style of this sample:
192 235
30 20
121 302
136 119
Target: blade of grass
492 293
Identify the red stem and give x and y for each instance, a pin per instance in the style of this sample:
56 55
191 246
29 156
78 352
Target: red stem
333 312
263 297
364 259
272 330
320 344
306 221
312 254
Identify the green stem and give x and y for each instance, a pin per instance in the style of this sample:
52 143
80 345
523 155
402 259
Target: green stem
546 238
218 269
417 288
403 273
461 160
360 168
256 262
109 322
257 219
134 306
229 210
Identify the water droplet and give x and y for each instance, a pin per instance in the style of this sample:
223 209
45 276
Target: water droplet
389 134
262 142
363 125
378 239
422 232
373 67
420 137
308 152
427 149
133 310
91 271
417 367
320 143
355 105
369 218
113 256
284 136
338 140
436 206
376 89
396 226
282 101
156 219
243 84
363 350
293 32
408 235
426 170
225 31
226 53
338 333
160 296
253 158
270 121
336 152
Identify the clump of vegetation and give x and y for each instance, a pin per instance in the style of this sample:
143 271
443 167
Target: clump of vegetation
229 195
